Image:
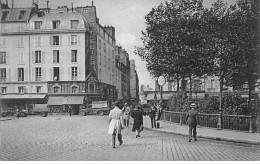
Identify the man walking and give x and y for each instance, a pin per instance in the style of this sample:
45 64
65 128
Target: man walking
192 119
70 110
115 119
126 114
152 114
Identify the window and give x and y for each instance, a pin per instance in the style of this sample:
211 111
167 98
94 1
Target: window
38 74
20 41
20 74
74 73
38 89
20 89
100 44
21 15
2 57
74 89
56 73
3 89
56 56
74 39
91 87
37 25
74 24
4 15
56 89
105 47
55 24
56 40
212 83
73 56
100 59
3 74
38 56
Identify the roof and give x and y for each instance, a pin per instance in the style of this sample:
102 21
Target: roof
15 14
64 18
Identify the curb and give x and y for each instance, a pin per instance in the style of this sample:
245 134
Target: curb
7 119
208 137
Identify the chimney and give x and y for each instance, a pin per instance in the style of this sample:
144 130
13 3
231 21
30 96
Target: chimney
47 4
72 7
12 4
92 3
6 2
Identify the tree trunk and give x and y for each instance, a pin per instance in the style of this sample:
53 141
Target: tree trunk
178 85
190 85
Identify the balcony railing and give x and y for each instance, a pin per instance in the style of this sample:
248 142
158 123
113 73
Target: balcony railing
229 122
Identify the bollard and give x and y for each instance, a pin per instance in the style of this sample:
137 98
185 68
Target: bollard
219 125
158 125
250 125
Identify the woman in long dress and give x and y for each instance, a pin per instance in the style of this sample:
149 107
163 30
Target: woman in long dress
137 115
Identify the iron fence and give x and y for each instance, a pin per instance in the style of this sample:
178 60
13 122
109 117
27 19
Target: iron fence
230 122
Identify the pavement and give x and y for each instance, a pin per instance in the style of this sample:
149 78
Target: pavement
203 132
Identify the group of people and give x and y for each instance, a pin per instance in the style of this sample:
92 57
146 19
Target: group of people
119 118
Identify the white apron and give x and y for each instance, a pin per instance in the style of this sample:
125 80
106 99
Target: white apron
115 121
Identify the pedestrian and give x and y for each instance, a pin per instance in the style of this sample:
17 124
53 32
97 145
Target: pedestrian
137 115
126 114
159 110
70 110
192 119
115 119
152 114
17 113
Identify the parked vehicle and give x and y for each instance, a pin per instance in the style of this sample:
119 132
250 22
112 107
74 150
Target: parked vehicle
12 112
96 107
41 109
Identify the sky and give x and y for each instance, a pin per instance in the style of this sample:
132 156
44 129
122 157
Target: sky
128 18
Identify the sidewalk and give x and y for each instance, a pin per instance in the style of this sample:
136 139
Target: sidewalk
210 133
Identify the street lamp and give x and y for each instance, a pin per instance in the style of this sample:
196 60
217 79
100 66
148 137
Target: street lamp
161 81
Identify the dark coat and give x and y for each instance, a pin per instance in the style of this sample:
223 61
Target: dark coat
137 115
192 117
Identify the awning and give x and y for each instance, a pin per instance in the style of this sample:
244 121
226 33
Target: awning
75 100
56 100
166 96
23 96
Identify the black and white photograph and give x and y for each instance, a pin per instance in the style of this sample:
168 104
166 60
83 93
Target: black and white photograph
129 80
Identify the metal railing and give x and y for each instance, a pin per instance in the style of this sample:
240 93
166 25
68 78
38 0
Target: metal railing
230 122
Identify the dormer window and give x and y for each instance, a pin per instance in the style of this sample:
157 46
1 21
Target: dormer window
4 15
37 25
22 12
74 24
55 24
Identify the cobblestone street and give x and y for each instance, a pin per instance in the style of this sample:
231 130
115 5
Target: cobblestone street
78 138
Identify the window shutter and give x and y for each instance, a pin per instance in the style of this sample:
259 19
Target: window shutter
51 74
7 58
26 74
78 75
4 43
33 57
33 74
39 41
61 74
43 57
8 75
69 40
60 40
43 74
78 41
15 74
69 73
51 43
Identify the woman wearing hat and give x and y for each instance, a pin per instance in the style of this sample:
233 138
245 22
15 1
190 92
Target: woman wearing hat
192 119
137 115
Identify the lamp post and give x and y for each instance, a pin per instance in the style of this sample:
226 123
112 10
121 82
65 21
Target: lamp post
161 81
